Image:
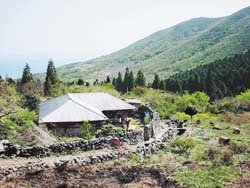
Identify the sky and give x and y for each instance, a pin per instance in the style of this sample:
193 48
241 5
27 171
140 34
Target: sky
69 31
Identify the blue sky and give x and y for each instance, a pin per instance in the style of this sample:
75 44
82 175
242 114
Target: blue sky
76 30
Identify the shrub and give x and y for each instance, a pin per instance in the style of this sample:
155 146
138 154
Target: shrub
198 99
110 129
181 116
139 91
86 131
183 146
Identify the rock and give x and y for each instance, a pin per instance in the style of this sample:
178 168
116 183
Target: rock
224 140
236 130
116 143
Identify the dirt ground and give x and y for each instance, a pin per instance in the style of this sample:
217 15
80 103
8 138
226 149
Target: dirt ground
94 176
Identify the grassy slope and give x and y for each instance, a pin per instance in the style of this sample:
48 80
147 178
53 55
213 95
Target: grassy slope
178 48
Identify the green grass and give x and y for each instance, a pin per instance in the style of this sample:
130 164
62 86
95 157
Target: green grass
207 177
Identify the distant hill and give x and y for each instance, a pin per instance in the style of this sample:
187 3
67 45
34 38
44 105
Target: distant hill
169 51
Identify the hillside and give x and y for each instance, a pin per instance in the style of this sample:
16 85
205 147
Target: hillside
221 78
175 49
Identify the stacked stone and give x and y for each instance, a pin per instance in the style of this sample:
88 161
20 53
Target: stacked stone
145 150
133 137
8 149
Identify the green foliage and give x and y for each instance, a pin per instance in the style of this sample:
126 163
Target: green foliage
156 82
227 77
183 146
51 79
139 91
119 83
86 131
244 97
17 122
108 79
162 102
140 79
31 101
198 99
181 116
9 99
110 129
27 75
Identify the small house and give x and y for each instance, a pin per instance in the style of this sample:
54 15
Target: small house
64 115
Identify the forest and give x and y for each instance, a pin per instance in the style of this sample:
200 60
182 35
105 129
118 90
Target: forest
222 78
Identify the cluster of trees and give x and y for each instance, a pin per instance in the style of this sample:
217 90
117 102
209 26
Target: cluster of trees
28 85
227 77
127 83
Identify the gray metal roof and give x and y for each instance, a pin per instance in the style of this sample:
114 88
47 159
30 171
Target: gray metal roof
77 107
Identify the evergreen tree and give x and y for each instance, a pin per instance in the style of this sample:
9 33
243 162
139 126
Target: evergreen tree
162 85
108 80
119 83
27 75
131 81
51 79
126 81
226 77
156 82
48 87
51 72
140 79
80 82
114 82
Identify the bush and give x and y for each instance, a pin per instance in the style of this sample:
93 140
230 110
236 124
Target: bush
86 131
183 146
110 129
181 116
198 99
139 91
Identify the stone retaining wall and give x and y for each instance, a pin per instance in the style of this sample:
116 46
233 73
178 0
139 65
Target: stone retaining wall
146 149
12 150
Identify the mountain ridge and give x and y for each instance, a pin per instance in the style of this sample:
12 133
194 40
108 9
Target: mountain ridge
171 50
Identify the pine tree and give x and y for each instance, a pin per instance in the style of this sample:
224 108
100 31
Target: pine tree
108 80
162 85
114 82
27 75
131 81
126 81
48 88
51 72
80 82
156 82
119 83
51 79
140 79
